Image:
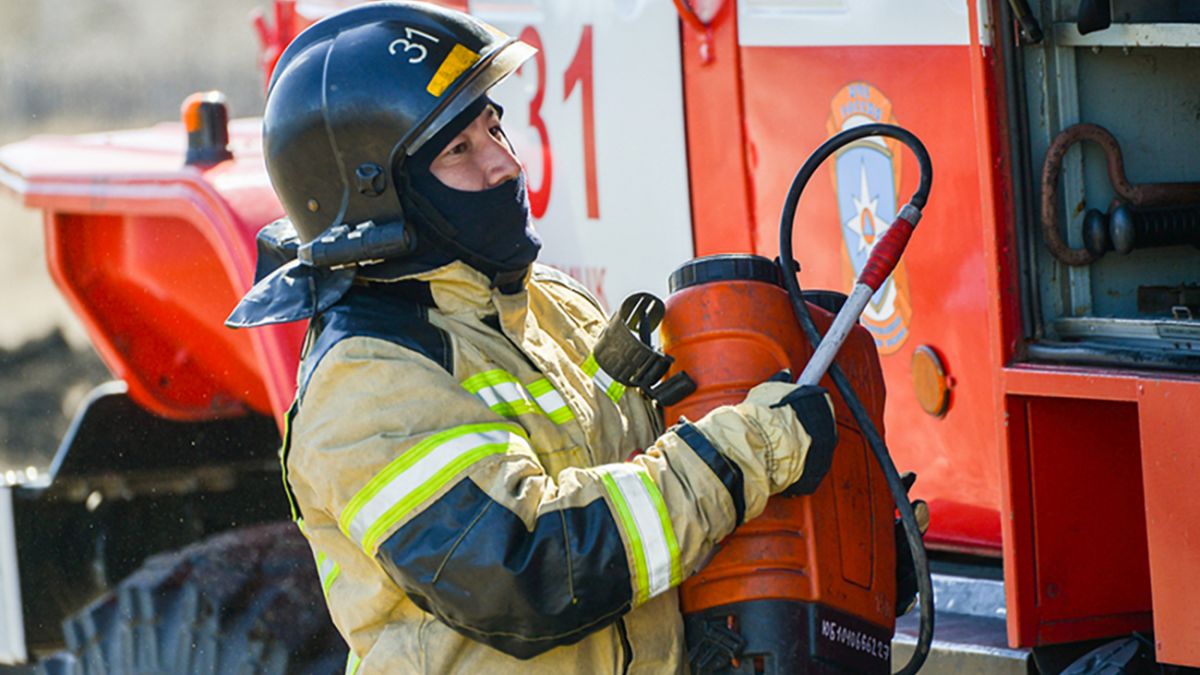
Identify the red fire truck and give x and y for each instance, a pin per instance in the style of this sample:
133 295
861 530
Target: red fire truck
1040 340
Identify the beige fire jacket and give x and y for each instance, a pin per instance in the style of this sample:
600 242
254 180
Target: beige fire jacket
471 484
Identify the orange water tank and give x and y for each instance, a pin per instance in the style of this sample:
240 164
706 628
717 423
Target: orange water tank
809 585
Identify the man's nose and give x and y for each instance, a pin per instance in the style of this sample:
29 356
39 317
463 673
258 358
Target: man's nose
501 164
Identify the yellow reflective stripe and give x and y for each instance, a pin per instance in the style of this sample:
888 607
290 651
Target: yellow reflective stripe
501 392
487 378
352 663
643 515
668 529
416 475
456 63
327 570
615 390
590 367
550 401
507 397
641 588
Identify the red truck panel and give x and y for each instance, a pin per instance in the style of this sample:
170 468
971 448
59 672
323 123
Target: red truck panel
152 255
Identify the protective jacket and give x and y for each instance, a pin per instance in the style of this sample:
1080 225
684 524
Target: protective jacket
482 498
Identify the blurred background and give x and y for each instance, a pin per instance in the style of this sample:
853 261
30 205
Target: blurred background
78 66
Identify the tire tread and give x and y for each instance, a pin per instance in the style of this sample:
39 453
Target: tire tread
245 601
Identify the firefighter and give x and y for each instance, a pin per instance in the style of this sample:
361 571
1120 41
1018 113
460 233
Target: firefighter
480 496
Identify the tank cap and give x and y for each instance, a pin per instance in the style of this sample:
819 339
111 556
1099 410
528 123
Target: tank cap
724 267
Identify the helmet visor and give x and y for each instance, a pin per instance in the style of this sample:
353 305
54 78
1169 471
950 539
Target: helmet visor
486 74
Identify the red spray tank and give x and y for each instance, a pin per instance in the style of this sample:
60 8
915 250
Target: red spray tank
808 586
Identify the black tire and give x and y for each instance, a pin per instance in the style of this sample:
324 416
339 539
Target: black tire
244 601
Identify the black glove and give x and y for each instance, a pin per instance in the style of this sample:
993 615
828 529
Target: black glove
811 405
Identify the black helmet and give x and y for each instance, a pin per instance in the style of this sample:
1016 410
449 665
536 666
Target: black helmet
353 96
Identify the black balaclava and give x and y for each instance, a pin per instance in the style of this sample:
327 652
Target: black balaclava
490 230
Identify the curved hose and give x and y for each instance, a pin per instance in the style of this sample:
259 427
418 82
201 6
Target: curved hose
874 439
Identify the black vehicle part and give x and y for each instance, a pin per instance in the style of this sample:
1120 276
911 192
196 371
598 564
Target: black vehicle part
912 531
1099 354
112 435
1054 659
1093 15
243 601
1031 30
75 541
58 664
1128 656
121 469
1126 228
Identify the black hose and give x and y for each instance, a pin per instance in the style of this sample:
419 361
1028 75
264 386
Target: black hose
911 530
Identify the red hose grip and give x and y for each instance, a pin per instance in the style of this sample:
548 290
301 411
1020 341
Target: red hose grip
886 254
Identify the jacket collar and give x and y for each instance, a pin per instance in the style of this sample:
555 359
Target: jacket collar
458 288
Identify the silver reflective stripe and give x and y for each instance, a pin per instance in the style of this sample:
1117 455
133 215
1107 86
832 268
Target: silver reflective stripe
507 397
643 515
603 379
504 392
613 389
417 474
328 571
550 401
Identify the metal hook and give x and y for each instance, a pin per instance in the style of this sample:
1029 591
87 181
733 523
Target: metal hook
1150 194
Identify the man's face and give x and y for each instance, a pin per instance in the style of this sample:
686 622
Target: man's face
478 158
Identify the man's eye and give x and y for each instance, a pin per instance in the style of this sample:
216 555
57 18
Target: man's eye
497 131
457 149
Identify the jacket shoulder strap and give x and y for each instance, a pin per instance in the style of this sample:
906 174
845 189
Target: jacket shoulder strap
364 313
546 274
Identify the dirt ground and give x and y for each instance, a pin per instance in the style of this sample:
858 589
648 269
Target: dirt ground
44 381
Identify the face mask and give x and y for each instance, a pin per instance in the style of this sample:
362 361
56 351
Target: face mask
492 225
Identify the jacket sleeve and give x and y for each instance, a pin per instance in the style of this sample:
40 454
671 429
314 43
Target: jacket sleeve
451 501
